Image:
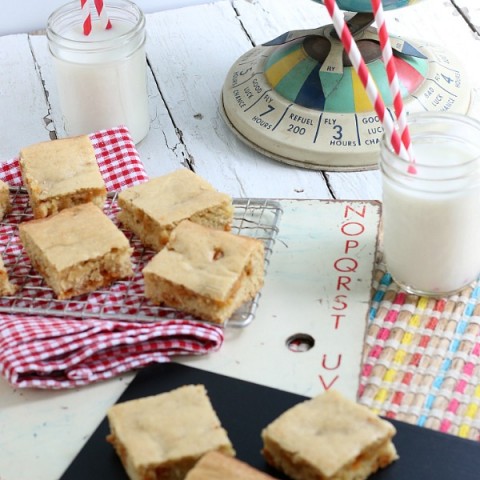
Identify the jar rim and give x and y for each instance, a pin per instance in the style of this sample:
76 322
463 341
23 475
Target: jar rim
72 12
430 119
448 158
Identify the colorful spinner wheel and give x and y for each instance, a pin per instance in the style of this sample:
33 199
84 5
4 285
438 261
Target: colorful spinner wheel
298 99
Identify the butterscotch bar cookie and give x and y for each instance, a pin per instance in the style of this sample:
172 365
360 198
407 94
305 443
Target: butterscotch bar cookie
152 209
60 174
208 273
77 250
216 466
329 437
163 436
6 287
5 203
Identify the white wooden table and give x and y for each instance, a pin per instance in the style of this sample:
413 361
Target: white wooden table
189 51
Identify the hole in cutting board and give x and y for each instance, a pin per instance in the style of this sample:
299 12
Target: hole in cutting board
300 342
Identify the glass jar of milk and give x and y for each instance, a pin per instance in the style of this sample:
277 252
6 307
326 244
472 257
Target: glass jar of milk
101 77
431 216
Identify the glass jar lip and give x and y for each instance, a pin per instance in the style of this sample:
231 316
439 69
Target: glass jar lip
73 10
430 118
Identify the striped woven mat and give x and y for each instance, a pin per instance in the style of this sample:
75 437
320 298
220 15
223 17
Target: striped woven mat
421 359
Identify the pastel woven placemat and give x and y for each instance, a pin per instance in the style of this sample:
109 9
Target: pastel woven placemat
421 358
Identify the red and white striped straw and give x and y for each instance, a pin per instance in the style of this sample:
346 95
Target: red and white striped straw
365 77
389 61
86 17
102 13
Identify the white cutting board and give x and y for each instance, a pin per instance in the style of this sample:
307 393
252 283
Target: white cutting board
318 285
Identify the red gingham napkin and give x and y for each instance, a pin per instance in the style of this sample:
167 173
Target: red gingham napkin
64 352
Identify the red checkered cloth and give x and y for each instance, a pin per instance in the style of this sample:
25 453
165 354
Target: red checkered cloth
62 353
65 352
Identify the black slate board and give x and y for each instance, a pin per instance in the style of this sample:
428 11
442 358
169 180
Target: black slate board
245 408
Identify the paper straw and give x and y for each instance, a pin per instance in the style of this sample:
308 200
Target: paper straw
365 77
389 61
86 17
102 13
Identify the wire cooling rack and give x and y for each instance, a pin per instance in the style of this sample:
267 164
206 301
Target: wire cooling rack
124 300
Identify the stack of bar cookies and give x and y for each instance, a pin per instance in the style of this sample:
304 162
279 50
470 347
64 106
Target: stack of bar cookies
199 266
177 435
174 436
70 242
164 435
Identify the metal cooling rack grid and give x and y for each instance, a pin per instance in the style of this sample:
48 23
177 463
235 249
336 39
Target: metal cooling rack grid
124 300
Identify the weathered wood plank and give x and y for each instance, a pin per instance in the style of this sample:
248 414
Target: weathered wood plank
191 51
470 9
188 127
266 19
23 105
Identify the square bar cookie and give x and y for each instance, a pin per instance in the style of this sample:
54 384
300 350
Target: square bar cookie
5 202
77 250
329 437
205 272
60 174
163 436
152 209
216 466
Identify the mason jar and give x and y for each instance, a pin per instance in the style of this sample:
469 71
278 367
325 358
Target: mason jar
431 205
101 77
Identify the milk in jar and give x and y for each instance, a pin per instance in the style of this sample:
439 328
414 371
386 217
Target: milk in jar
431 218
101 77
